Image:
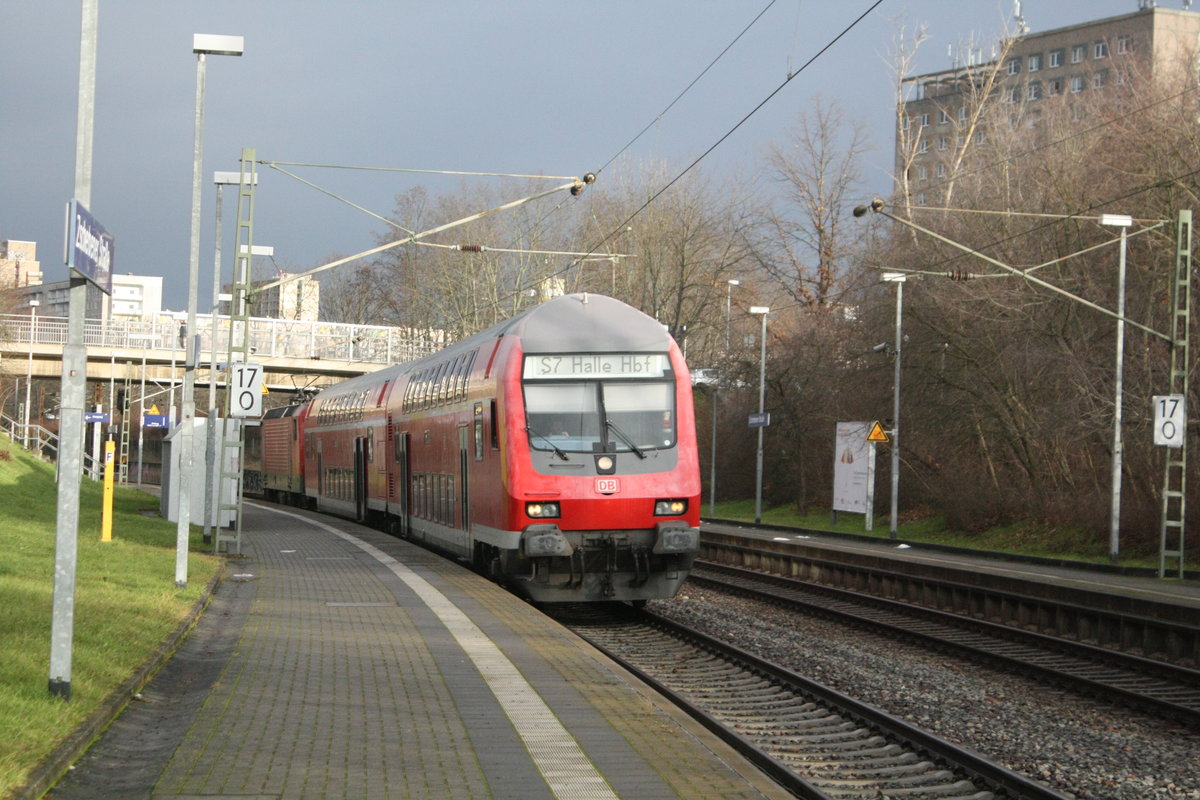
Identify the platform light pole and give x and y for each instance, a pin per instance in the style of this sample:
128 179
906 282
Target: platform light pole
762 311
33 307
729 284
203 45
1123 222
897 278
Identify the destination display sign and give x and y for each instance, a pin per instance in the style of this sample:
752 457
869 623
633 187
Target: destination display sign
596 365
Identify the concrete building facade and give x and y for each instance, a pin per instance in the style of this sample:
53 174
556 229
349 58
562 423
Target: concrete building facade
1073 69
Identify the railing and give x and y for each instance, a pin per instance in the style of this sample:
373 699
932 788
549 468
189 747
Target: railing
45 442
270 338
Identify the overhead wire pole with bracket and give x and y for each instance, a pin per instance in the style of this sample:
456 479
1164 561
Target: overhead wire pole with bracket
243 289
1174 482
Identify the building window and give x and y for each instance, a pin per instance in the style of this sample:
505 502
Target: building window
922 172
962 113
1099 79
1124 45
961 141
1035 90
941 170
1100 50
1014 66
925 120
1056 58
943 142
1035 62
1077 53
923 147
1010 94
1077 84
943 117
1054 87
904 121
920 198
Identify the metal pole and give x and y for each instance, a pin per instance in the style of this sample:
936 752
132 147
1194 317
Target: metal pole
74 371
29 375
188 410
762 396
142 419
896 410
210 430
712 471
1114 543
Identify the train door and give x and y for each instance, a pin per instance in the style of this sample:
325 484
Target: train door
361 447
464 458
404 470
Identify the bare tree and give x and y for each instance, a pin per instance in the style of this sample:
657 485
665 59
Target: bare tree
817 171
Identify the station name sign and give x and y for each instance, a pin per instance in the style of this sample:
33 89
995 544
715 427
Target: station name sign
596 365
90 247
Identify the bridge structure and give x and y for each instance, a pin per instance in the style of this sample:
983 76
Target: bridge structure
295 354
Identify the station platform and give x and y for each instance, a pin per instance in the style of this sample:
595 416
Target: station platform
337 662
1100 579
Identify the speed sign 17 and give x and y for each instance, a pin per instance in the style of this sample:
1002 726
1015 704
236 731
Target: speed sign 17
245 390
1170 420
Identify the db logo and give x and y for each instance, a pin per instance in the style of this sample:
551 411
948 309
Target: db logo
608 485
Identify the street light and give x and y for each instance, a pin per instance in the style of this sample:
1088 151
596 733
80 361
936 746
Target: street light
897 278
203 45
729 284
1123 222
33 307
762 396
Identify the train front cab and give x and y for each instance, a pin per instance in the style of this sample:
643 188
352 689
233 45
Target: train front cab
604 474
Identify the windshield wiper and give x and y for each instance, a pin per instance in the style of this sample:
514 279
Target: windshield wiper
624 437
553 446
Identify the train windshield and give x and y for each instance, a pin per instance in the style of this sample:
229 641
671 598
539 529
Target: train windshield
600 416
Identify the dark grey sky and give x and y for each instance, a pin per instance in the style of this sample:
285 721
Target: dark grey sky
515 86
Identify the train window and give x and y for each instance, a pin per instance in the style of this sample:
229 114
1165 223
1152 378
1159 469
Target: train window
611 415
644 412
493 425
563 416
478 430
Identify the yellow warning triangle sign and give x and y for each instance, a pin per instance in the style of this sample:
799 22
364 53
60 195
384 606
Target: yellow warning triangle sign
877 434
154 410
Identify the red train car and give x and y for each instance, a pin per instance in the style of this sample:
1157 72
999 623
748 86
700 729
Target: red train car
556 451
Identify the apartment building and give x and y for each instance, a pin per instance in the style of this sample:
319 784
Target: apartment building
18 264
1072 66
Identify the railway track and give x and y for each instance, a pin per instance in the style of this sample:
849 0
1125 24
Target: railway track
818 743
1147 685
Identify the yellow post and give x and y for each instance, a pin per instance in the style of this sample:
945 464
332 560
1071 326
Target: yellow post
110 447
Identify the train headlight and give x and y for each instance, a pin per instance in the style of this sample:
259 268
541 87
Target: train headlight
670 508
542 510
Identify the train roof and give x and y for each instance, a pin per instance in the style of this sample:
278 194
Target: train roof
585 323
570 323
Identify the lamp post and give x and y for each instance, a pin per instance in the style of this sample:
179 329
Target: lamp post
33 307
729 284
1114 536
762 396
898 279
203 45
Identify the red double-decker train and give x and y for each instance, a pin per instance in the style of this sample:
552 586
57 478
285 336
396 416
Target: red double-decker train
556 451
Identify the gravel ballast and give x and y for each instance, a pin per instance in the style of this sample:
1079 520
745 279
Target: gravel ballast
1079 747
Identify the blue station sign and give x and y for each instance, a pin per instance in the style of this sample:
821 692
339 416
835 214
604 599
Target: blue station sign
89 247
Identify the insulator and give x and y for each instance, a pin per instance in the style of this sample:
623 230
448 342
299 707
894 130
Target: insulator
471 248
